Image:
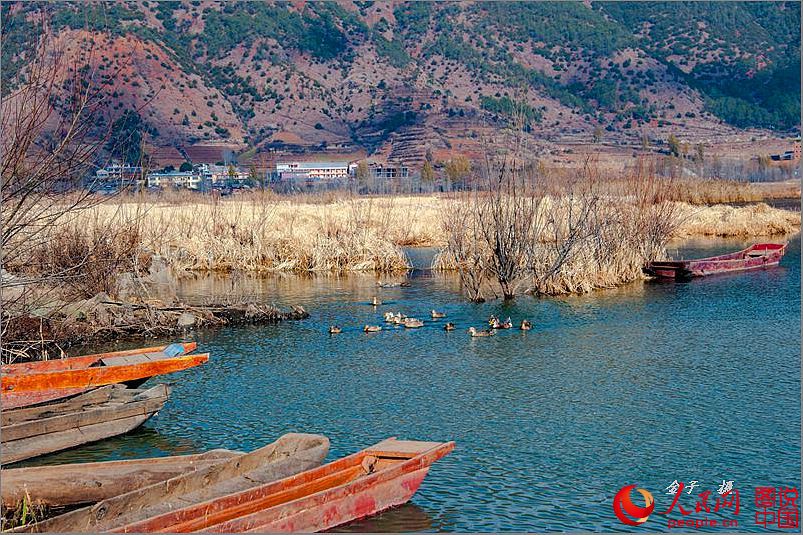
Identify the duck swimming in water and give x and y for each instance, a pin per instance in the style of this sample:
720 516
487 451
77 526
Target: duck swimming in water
526 325
449 326
334 329
437 315
376 302
372 328
412 323
476 334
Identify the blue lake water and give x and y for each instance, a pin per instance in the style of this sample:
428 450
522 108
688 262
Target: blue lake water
645 384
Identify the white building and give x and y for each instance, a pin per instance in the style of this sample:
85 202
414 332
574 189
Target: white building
313 170
217 174
117 172
177 179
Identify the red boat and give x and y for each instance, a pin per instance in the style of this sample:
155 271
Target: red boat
758 256
31 383
360 485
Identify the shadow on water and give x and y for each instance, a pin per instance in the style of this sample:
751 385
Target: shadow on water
647 383
141 442
407 517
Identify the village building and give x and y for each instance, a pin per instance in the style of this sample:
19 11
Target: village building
322 171
175 179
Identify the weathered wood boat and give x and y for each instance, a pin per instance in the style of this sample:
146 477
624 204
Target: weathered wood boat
360 485
87 483
32 383
291 454
758 256
102 413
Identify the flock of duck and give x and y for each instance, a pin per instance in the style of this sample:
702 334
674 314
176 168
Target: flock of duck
402 320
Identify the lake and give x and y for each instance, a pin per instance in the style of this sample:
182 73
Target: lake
645 384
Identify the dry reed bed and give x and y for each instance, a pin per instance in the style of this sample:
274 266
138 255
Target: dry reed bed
363 234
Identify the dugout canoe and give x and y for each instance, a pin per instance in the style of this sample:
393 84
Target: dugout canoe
360 485
291 454
102 413
757 256
87 483
33 383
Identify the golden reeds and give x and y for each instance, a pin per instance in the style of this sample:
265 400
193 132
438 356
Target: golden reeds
264 232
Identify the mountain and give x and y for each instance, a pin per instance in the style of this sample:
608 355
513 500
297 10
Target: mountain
398 79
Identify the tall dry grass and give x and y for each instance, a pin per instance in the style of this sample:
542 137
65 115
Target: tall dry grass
263 232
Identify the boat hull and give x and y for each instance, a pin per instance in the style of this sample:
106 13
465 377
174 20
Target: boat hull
292 453
358 486
759 256
66 426
33 383
82 483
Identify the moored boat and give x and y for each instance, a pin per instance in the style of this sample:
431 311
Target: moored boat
758 256
290 454
84 483
101 413
33 383
360 485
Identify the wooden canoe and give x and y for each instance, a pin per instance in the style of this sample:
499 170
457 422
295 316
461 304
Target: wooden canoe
758 256
290 454
101 413
360 485
86 483
33 383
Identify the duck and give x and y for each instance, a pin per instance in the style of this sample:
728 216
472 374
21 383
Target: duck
381 284
376 302
372 328
437 315
399 318
476 334
493 320
389 317
412 323
334 329
449 326
526 325
507 324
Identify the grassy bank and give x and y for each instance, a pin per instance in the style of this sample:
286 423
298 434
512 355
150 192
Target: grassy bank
267 233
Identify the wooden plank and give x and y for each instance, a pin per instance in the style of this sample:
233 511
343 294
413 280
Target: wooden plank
19 450
291 454
82 483
100 376
131 359
95 396
401 448
14 400
86 416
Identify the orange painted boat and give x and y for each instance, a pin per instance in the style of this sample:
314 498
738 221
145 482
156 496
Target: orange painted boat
360 485
32 383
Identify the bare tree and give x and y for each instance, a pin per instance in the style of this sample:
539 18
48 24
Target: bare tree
54 132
